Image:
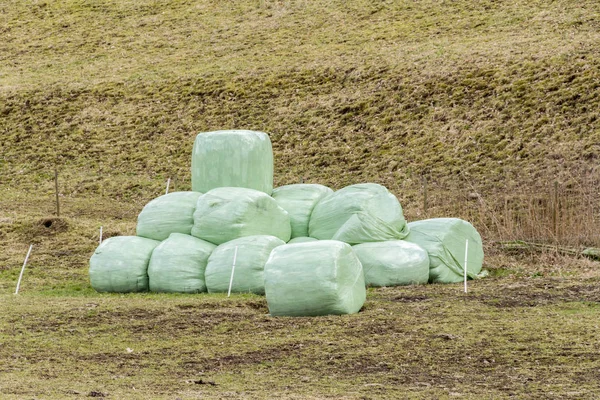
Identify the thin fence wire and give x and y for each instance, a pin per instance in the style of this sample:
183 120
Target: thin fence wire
557 213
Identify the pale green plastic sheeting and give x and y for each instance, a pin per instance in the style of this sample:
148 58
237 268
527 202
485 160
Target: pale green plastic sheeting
232 158
316 278
252 255
167 214
444 239
178 264
393 263
361 213
302 239
120 264
299 201
227 213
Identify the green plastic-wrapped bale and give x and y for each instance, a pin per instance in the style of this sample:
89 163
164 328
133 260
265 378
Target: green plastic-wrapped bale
361 213
302 239
444 240
232 158
178 264
299 201
120 264
228 213
393 263
316 278
250 259
170 213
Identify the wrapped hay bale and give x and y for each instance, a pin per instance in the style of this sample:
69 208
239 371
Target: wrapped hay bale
361 213
302 239
250 259
232 158
170 213
393 263
316 278
299 201
120 264
444 240
224 214
177 264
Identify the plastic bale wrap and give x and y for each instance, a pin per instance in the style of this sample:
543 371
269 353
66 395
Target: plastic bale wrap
444 240
252 255
317 278
120 264
361 213
393 263
178 264
233 158
302 239
170 213
224 214
299 201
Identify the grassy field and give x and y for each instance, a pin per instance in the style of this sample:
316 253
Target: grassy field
510 336
491 105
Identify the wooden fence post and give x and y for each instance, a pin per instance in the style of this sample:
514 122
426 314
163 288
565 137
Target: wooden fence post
555 216
424 195
56 189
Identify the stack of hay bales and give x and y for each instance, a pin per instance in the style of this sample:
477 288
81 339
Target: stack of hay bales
309 249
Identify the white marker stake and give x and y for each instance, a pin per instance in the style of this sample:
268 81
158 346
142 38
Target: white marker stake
100 235
23 269
168 184
232 271
466 259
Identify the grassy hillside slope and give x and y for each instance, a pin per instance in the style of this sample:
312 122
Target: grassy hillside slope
496 96
363 91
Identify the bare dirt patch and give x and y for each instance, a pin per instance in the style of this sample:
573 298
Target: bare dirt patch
266 355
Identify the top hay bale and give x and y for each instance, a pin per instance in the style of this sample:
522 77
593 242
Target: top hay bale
232 158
